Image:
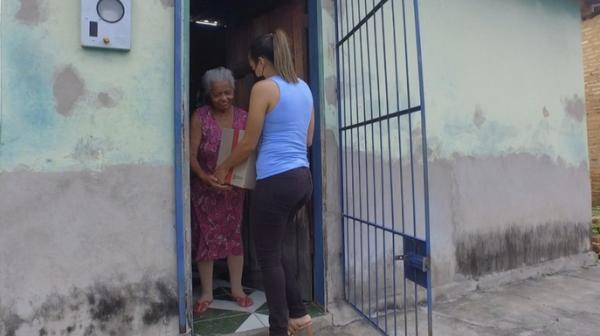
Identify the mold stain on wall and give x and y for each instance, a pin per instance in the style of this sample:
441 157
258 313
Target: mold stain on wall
478 254
103 309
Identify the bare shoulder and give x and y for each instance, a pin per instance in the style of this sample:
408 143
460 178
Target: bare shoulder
196 118
199 111
265 86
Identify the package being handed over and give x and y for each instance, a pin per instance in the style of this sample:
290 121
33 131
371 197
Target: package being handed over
244 175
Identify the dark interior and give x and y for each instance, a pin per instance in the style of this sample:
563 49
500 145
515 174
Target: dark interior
226 44
208 45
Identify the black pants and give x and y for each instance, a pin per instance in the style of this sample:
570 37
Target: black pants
276 200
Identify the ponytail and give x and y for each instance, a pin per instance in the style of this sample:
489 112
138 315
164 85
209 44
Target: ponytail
283 62
275 48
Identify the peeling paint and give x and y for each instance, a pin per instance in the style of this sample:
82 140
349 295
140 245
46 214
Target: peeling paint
329 7
167 3
90 149
68 88
574 107
104 99
478 117
37 126
331 90
32 12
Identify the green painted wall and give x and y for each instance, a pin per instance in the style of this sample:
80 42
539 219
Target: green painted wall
65 107
504 77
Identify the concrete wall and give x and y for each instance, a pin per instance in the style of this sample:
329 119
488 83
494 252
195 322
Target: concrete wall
507 135
508 163
330 155
591 61
86 155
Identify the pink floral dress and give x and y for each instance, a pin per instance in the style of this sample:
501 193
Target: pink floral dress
216 214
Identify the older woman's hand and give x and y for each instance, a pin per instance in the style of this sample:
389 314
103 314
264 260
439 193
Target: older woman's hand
220 174
212 181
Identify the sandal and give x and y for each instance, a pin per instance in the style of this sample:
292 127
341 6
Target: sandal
201 306
243 301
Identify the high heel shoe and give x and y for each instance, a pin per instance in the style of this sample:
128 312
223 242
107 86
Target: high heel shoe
295 326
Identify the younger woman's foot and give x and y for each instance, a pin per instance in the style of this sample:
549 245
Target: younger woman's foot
296 325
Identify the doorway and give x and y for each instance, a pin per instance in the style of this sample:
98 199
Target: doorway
220 34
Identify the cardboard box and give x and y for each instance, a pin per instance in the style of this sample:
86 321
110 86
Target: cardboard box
244 175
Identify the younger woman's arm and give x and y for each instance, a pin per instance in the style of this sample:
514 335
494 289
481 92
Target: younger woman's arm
261 99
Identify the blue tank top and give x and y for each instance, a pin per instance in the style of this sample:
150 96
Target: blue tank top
282 146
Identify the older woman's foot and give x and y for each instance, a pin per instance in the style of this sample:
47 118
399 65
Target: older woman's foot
241 298
202 304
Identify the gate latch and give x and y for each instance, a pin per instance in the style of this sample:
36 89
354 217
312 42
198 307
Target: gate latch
416 261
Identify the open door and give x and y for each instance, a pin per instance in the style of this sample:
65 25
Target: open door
383 151
220 35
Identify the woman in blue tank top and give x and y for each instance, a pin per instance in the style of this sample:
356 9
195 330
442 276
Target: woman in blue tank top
280 128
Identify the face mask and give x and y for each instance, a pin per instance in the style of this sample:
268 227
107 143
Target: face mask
259 77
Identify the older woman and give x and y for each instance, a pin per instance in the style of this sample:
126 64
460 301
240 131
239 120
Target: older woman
216 209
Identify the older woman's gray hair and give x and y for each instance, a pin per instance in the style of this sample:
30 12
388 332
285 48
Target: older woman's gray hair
216 75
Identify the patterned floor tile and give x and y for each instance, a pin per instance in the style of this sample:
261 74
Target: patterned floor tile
264 319
220 326
213 314
225 316
251 323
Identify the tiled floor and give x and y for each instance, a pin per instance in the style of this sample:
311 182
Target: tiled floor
225 316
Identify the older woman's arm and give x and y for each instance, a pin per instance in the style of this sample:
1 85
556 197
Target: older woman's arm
195 140
262 94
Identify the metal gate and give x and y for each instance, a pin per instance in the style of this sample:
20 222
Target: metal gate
383 153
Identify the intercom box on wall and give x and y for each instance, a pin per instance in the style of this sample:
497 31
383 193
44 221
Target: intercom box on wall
106 24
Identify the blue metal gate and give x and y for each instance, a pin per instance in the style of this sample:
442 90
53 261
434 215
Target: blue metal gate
383 153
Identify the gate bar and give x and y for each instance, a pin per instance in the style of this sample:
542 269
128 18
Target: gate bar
363 21
425 163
